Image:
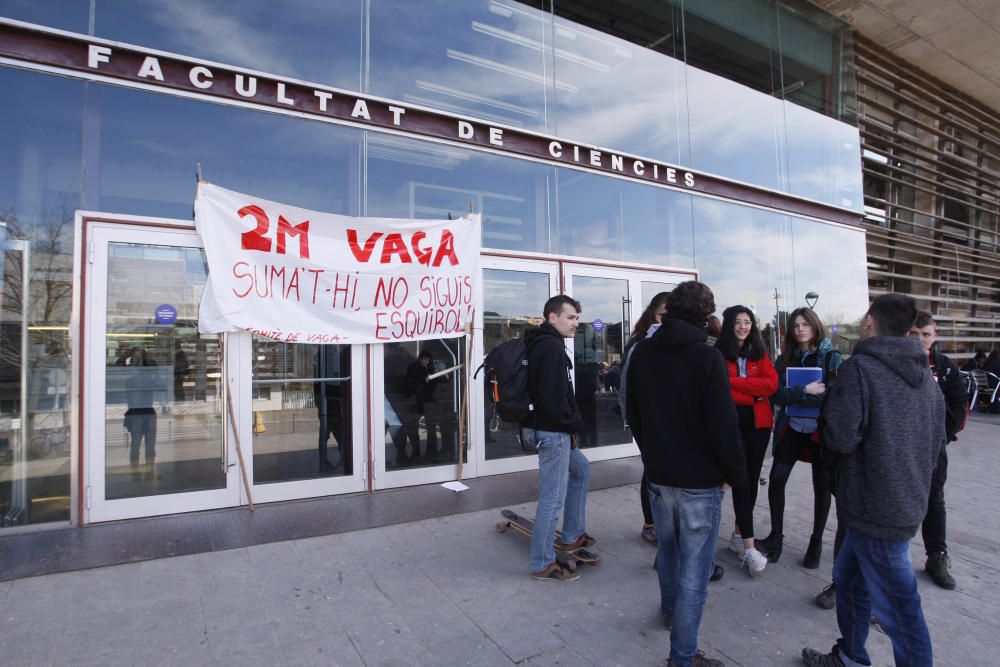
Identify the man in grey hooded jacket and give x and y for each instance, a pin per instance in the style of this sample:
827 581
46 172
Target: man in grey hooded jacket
885 415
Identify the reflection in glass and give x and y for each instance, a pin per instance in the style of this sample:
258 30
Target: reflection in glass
40 151
831 261
415 179
495 63
301 411
647 113
824 158
513 301
70 16
423 394
597 358
608 218
651 289
744 255
283 159
735 132
318 41
163 395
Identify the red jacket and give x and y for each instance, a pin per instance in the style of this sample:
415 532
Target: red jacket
758 386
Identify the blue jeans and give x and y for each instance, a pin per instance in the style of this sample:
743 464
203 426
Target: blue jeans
563 480
874 575
687 527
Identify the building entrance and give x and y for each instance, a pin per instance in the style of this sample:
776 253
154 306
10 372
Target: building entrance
166 410
164 405
154 394
613 297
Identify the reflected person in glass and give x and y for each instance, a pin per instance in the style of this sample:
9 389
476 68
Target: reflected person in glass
796 433
140 417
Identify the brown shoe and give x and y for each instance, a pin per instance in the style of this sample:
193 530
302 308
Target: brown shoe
585 541
555 571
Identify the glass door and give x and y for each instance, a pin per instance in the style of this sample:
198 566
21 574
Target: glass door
305 419
612 300
422 388
156 439
514 293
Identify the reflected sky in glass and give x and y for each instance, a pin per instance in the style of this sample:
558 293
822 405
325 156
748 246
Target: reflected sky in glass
744 255
148 155
831 261
735 132
311 40
611 218
71 15
824 158
646 114
408 178
489 60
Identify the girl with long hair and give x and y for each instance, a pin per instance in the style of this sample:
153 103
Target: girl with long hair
752 380
648 323
796 437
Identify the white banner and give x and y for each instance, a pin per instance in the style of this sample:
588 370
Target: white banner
301 276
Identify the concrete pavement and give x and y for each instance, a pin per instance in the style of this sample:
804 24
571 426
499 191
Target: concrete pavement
451 591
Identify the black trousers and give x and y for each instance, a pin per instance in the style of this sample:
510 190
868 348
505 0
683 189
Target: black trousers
755 442
935 526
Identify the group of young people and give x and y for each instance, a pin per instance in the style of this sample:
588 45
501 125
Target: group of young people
703 416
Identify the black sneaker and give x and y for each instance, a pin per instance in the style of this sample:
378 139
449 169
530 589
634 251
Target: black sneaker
828 598
700 660
937 566
717 573
814 658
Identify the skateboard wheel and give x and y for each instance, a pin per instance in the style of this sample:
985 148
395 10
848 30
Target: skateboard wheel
501 526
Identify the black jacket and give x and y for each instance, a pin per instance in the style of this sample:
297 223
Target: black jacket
681 410
885 414
549 383
955 393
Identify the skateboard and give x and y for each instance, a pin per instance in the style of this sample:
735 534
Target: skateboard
524 525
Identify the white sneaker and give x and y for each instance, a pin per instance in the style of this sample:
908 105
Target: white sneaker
755 561
736 544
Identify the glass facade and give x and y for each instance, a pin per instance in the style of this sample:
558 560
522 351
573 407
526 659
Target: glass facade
70 145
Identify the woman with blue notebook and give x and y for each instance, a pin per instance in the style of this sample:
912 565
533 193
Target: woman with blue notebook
806 366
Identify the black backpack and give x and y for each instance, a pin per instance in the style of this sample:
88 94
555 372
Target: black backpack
507 381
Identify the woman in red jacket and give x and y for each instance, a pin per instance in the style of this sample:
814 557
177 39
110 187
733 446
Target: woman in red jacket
753 380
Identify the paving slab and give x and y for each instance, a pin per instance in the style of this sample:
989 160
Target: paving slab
450 590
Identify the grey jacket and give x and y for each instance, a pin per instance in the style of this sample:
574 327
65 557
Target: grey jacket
886 414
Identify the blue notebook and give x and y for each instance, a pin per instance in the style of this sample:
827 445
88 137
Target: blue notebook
800 377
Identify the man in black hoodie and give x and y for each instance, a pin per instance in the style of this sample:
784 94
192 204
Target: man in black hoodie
563 471
683 417
955 394
885 414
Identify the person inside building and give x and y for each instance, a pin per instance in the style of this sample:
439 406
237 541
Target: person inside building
976 363
331 406
141 388
421 387
753 381
796 433
992 364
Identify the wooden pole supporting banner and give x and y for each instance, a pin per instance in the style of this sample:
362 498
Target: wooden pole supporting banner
463 412
233 423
